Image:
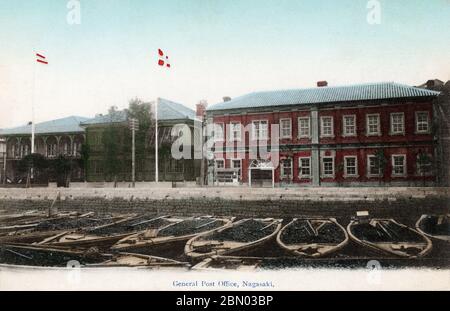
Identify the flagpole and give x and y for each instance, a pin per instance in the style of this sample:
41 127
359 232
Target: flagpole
33 96
156 143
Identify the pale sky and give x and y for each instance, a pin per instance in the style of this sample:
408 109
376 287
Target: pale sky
217 48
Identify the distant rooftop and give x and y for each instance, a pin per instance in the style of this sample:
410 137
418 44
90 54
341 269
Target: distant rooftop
167 110
65 125
317 95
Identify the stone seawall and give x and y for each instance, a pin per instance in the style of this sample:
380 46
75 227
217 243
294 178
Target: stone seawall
239 202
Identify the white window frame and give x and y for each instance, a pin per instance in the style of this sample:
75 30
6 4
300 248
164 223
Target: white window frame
257 137
232 131
323 167
369 174
392 115
300 175
378 133
300 135
418 131
232 165
219 160
282 175
405 168
344 126
346 174
322 118
217 138
290 128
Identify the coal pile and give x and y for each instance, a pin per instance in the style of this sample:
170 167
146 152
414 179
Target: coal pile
127 226
393 233
71 223
191 226
43 258
248 231
300 232
431 225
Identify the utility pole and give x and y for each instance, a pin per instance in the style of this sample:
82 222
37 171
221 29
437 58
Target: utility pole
134 126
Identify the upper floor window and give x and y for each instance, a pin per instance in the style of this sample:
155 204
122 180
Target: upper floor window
397 123
422 122
235 131
218 131
304 127
260 130
285 128
398 165
51 150
326 126
304 167
327 167
373 125
351 166
349 125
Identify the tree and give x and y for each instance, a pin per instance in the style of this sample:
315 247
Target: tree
63 168
112 162
381 163
85 153
36 162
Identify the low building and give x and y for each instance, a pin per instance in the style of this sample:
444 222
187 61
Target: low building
52 139
170 115
2 159
356 135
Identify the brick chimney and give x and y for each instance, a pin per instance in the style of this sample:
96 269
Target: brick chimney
226 99
201 109
322 84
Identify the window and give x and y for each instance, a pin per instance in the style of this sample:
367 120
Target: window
98 167
373 124
286 168
328 167
259 130
351 166
235 131
373 166
349 125
237 164
326 126
304 167
397 123
285 128
398 165
424 164
66 148
218 131
76 148
304 127
220 163
51 150
422 122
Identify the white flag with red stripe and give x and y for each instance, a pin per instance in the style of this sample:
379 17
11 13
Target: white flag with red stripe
41 59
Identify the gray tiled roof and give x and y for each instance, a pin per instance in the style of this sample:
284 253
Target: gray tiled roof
65 125
167 110
361 92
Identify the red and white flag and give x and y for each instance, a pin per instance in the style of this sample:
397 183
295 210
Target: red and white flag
41 59
163 59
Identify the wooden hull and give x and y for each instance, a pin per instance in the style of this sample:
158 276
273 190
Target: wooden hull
420 226
199 247
135 244
140 261
313 249
404 249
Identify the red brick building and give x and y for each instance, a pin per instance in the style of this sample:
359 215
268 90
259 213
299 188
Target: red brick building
359 135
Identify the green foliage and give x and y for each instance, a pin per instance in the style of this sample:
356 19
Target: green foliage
112 162
85 153
141 111
62 165
35 160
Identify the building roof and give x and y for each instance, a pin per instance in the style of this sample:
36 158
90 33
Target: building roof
65 125
167 110
361 92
